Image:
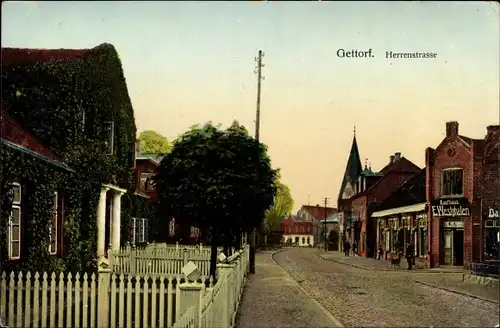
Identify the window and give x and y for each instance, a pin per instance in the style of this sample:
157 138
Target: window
171 227
452 182
109 137
423 241
308 240
147 181
139 231
303 240
53 227
14 229
491 241
296 240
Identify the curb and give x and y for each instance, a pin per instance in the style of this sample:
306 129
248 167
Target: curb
457 292
322 308
384 270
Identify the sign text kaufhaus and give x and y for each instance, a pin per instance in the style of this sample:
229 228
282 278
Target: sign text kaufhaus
450 207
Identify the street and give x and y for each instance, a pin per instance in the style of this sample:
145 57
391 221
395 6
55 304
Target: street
358 297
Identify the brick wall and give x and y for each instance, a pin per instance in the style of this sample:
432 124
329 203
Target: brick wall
455 152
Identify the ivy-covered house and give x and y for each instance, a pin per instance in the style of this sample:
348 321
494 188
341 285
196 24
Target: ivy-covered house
76 103
24 161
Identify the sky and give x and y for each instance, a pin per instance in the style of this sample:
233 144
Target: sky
192 62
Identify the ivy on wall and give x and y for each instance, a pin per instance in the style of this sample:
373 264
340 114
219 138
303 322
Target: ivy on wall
65 103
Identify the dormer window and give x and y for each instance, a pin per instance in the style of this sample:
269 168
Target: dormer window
109 136
452 183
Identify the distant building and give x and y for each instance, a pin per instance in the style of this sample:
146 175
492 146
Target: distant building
298 232
316 215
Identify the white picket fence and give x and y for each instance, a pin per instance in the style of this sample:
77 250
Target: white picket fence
159 258
202 307
106 299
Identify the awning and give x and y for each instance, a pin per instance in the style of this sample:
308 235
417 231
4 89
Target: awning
400 210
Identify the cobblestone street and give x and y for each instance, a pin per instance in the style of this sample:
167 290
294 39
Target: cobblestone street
360 297
272 299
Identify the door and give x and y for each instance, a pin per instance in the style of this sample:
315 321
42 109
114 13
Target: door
458 247
448 250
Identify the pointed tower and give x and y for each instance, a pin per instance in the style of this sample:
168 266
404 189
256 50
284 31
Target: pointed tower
352 171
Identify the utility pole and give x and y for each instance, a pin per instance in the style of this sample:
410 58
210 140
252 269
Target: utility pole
326 214
258 71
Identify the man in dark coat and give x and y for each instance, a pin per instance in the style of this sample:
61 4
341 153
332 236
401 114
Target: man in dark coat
410 252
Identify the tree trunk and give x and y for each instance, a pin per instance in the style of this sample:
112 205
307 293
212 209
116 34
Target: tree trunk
213 252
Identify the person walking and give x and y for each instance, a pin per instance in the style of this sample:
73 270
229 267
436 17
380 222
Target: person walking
347 247
410 250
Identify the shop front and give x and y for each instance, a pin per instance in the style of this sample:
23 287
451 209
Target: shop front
451 214
492 235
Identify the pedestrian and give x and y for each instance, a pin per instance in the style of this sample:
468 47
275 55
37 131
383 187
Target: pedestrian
409 255
347 247
380 252
354 247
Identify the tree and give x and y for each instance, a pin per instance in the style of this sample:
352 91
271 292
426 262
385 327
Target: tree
282 206
217 180
152 142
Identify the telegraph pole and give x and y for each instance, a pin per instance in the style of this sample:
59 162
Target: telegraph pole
258 71
326 214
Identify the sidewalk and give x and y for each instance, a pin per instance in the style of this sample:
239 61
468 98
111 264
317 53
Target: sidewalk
449 278
381 265
273 299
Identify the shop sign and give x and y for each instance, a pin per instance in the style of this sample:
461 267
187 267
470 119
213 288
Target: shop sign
450 207
492 213
453 224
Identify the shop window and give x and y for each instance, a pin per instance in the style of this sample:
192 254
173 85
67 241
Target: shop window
303 240
491 241
452 182
297 240
423 241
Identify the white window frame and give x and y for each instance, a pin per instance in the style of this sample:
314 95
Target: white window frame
111 148
55 208
139 225
443 171
15 205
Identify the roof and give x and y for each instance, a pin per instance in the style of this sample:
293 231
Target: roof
411 192
420 207
353 168
15 136
399 166
318 212
152 157
36 155
20 56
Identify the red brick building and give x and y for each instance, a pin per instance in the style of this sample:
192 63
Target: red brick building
368 197
490 195
455 174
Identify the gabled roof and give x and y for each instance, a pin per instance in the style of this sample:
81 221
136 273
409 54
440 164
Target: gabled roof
152 157
353 168
403 165
410 193
318 212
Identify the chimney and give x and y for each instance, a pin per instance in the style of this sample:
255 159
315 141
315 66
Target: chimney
492 128
397 157
391 159
451 129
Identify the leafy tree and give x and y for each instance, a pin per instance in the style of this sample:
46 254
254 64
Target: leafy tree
217 180
152 142
282 206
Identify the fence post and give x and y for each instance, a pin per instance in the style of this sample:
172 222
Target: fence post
104 278
133 264
185 257
225 271
190 295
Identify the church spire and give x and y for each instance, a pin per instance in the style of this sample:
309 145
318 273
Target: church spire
353 167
